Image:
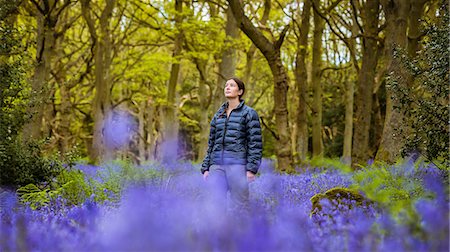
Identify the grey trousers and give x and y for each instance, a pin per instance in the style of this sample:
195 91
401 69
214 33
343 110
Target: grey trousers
233 179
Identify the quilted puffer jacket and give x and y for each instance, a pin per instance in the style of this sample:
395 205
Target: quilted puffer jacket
234 140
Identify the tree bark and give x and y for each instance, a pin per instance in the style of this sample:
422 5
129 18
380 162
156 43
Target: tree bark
414 31
227 66
170 130
348 130
271 52
317 142
250 57
102 43
366 80
204 96
392 141
47 19
151 117
301 81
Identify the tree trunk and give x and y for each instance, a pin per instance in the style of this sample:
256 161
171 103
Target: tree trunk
227 66
150 138
366 80
348 131
65 119
394 130
46 24
414 31
271 52
205 102
317 143
250 57
102 99
170 121
142 152
301 81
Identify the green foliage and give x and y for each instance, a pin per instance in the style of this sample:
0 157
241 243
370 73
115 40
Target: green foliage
24 163
330 163
35 196
76 186
425 103
20 163
393 187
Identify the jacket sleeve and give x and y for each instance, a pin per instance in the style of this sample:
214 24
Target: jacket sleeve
254 142
207 160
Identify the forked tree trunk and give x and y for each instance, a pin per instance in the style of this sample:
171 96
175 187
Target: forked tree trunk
103 56
271 52
45 49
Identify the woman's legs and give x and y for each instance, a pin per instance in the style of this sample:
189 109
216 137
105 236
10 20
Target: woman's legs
238 186
218 187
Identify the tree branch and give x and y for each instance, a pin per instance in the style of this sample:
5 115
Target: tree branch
255 35
280 40
38 7
269 129
343 39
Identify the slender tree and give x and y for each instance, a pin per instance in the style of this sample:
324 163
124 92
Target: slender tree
170 128
366 80
319 23
301 80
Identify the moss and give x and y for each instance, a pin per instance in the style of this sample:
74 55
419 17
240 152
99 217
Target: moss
339 196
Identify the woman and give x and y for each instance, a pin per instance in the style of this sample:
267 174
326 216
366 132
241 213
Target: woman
234 148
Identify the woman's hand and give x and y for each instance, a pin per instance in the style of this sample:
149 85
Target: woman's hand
250 176
205 175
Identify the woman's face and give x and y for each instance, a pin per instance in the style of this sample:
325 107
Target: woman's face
231 89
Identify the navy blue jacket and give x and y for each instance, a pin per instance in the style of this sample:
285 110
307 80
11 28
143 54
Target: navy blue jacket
234 140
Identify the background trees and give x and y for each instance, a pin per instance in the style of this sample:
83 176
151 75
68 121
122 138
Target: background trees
315 71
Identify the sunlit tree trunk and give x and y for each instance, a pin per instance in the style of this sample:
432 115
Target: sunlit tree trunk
271 52
102 44
301 80
317 142
366 79
396 13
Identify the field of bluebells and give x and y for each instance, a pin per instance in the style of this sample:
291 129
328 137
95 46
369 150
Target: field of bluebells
154 207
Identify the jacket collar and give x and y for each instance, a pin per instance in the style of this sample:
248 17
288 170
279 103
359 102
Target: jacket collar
225 105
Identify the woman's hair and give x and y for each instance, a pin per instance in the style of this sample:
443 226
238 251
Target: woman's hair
240 84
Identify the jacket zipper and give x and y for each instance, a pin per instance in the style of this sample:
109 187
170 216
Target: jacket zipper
224 133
